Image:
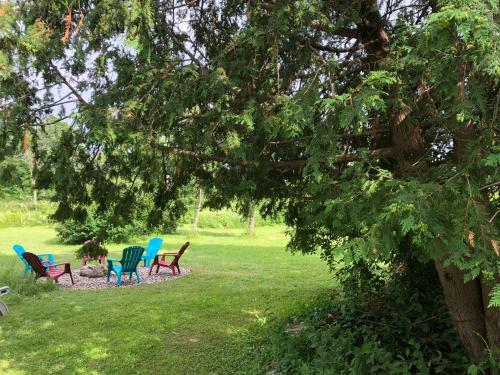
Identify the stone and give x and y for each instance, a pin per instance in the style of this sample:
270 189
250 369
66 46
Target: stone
93 271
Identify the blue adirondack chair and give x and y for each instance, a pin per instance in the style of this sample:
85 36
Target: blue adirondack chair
154 245
45 258
130 259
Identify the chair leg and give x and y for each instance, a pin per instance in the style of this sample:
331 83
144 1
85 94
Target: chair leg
107 280
119 278
178 269
71 277
138 278
157 268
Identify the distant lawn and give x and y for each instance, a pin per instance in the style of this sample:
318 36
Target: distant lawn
204 323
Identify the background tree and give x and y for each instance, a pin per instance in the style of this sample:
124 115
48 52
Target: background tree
373 124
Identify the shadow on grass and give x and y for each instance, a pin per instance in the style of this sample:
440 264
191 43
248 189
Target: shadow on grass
128 334
201 324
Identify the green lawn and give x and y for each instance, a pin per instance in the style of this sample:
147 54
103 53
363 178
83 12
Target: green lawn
208 322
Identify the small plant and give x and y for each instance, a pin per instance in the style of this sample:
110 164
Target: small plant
93 249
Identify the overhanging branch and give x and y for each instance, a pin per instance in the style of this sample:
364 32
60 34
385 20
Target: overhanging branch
277 165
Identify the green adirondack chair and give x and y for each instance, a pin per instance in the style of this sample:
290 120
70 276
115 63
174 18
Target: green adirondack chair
130 259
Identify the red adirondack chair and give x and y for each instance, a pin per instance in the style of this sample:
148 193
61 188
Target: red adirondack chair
160 260
42 271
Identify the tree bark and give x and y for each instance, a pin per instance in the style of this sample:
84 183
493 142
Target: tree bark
31 162
478 326
199 204
491 315
251 219
465 305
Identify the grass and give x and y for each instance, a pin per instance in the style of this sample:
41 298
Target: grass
209 322
25 213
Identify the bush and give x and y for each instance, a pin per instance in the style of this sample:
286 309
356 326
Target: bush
341 337
398 324
99 229
93 249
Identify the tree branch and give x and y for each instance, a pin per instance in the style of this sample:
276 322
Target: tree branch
285 164
69 85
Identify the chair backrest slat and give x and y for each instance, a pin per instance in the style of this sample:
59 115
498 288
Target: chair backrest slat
154 245
179 253
131 258
35 263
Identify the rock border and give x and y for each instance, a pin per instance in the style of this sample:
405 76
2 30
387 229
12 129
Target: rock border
86 283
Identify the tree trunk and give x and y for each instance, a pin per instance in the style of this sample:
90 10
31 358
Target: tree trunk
491 315
199 204
251 219
35 194
478 327
31 162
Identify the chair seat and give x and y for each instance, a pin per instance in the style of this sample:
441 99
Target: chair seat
164 263
55 272
119 269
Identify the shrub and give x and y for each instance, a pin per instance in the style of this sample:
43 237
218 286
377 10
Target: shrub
396 324
93 249
342 337
100 229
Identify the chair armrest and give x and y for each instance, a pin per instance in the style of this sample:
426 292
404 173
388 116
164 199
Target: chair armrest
60 264
170 254
113 260
67 266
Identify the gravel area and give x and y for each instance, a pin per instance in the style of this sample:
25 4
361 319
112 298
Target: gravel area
100 282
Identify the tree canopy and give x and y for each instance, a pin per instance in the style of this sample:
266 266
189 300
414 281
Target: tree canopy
372 124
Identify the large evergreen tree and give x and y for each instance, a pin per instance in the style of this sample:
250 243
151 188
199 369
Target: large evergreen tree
372 124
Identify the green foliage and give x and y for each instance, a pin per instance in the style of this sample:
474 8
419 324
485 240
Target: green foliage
91 248
395 324
14 179
226 218
495 297
99 229
372 126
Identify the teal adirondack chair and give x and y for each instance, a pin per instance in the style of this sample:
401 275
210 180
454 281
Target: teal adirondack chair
154 245
45 258
130 259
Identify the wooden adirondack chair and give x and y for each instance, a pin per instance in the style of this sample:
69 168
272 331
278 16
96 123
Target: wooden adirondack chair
49 271
20 250
154 245
161 262
130 259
